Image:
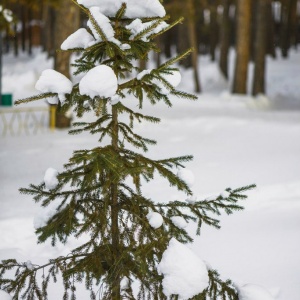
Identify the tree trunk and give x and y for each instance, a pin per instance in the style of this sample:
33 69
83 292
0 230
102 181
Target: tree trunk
285 28
271 40
29 31
213 34
67 21
260 47
193 43
115 232
242 46
24 27
224 39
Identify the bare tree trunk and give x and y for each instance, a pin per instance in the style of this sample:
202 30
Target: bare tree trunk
213 28
224 39
193 43
67 21
285 28
242 46
24 28
29 24
271 49
260 47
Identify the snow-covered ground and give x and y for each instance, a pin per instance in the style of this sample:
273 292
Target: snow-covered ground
235 141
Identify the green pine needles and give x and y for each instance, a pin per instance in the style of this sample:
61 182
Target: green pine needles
99 193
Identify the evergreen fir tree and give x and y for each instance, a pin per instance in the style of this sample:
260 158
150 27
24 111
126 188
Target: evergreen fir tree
99 193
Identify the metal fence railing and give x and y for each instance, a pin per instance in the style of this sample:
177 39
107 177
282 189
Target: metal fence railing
29 120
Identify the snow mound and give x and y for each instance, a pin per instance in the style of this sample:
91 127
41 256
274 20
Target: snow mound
155 219
135 8
185 274
99 81
50 178
52 81
253 292
179 222
187 176
79 39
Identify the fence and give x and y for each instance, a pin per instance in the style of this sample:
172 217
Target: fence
29 120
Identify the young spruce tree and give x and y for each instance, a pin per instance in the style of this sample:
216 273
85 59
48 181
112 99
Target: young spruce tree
99 193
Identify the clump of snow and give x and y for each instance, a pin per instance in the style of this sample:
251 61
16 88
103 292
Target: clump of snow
115 99
135 8
99 81
187 176
52 81
50 178
174 78
7 14
29 265
185 274
143 73
138 26
103 22
179 222
253 292
79 39
225 194
45 214
191 199
155 219
4 296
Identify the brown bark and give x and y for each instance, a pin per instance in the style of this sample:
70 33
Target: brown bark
213 31
67 21
193 43
260 47
224 39
242 46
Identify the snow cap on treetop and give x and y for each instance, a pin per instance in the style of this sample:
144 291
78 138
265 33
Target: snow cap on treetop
185 274
135 8
253 292
100 81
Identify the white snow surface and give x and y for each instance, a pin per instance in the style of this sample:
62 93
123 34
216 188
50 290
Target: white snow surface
44 214
135 8
179 222
185 274
253 292
52 81
81 38
4 296
187 175
100 81
103 22
50 178
137 26
235 139
173 79
155 219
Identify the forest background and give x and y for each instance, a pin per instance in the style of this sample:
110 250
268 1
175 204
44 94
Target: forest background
255 28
